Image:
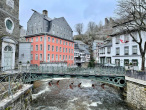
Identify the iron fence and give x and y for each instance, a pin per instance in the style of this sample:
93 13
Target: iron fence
136 74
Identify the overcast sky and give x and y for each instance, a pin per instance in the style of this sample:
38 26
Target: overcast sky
74 11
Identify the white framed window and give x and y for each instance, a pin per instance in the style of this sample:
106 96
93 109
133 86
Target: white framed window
41 57
56 57
52 56
63 49
135 62
118 51
36 47
52 48
108 50
57 41
9 24
63 57
48 58
134 49
60 57
69 57
27 40
72 50
60 49
63 42
41 38
31 56
66 50
48 39
36 56
48 47
66 43
41 47
53 40
60 41
31 39
69 43
31 47
126 50
36 39
117 39
56 48
66 57
69 50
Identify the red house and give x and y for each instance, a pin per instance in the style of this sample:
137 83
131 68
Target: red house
52 39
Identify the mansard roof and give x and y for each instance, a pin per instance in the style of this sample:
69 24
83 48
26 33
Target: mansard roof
46 33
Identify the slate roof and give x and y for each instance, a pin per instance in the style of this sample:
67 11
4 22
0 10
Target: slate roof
79 46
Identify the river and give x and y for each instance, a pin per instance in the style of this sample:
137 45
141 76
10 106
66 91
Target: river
64 96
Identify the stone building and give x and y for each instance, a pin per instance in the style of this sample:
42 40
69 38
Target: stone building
9 22
9 31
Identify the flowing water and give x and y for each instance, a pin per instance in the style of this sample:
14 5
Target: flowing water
71 97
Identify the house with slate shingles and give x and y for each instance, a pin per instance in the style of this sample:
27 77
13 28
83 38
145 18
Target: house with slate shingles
81 53
51 39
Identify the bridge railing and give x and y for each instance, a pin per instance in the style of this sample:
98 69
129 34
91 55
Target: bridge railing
75 70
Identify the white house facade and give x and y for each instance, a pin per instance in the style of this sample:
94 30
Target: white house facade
8 53
105 53
125 51
81 53
96 45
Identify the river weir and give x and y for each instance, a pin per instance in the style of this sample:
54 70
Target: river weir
75 94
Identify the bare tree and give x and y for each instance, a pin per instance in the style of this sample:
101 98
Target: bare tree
79 28
91 27
133 13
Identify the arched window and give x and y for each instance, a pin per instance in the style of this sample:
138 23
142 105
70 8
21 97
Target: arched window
8 48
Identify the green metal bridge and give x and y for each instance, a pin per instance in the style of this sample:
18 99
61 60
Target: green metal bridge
109 75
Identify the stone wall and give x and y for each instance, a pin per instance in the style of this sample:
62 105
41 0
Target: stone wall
20 101
9 12
136 93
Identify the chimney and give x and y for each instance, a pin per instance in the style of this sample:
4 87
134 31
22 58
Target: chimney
45 12
106 21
